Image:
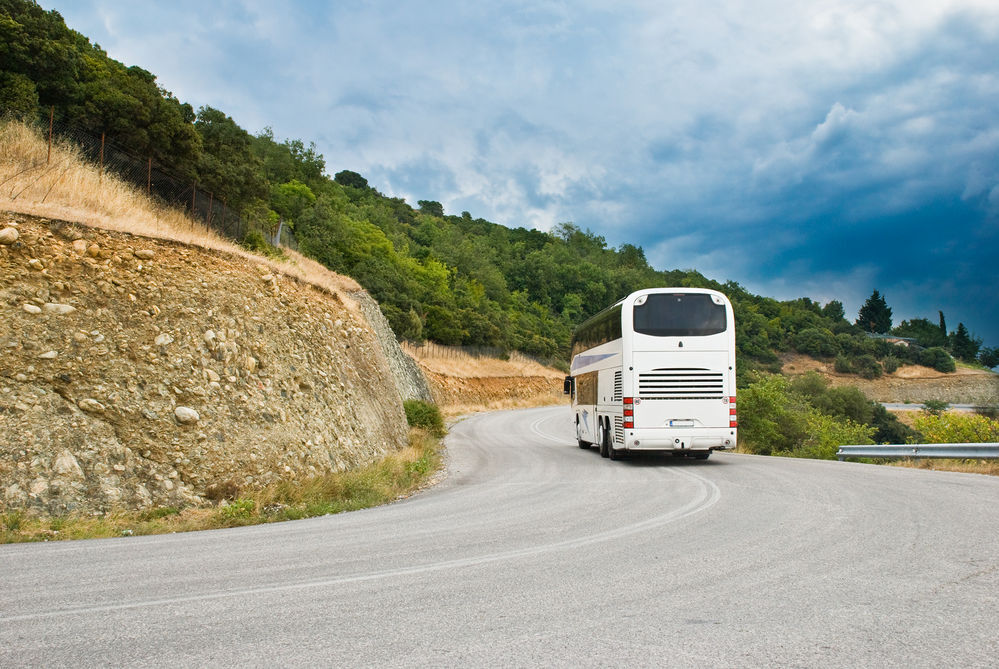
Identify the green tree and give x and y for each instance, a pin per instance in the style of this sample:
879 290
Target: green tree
923 331
989 356
431 208
963 345
352 179
290 199
228 168
18 95
875 315
834 311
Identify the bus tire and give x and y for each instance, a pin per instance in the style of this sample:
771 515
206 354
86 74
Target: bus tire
604 438
613 453
585 445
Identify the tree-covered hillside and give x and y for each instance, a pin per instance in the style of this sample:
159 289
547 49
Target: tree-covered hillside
451 279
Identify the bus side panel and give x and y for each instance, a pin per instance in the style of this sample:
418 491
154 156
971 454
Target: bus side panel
594 375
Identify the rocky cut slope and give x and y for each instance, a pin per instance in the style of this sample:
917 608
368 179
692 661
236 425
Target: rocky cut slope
136 372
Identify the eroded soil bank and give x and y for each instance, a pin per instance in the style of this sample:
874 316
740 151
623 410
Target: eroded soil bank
137 372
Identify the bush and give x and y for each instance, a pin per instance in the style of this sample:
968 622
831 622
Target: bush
957 428
776 418
255 241
935 407
845 402
891 364
938 359
867 366
825 434
842 365
816 342
424 415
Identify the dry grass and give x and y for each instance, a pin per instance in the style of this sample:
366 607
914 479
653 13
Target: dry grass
70 189
397 475
989 467
453 361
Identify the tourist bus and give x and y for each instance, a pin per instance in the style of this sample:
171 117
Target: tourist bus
656 372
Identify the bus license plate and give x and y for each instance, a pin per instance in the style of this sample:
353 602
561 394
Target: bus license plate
681 423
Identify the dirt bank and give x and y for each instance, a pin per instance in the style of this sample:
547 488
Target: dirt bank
137 372
462 383
910 383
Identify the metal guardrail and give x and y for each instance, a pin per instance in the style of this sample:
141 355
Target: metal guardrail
959 451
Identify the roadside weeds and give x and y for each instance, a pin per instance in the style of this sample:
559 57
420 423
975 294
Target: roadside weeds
396 476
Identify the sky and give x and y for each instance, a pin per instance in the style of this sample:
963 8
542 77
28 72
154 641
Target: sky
822 149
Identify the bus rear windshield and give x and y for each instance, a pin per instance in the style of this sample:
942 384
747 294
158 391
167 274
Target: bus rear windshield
679 315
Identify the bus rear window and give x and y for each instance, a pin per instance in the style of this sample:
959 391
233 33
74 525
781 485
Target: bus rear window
679 315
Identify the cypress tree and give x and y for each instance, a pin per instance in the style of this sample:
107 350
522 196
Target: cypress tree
875 315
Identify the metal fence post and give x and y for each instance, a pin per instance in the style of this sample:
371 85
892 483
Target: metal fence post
48 158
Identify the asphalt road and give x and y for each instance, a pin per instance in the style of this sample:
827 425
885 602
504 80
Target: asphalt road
533 552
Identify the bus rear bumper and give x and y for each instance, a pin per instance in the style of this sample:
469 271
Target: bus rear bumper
706 439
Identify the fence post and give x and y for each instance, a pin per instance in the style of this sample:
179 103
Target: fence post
194 192
211 201
100 174
48 158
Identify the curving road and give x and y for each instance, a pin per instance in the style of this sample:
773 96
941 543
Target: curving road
533 552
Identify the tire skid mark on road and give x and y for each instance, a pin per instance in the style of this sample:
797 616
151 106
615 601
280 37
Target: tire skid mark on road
709 495
536 431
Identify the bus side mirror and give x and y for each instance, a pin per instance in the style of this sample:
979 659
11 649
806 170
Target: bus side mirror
567 385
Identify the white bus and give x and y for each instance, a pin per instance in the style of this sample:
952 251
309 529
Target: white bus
656 372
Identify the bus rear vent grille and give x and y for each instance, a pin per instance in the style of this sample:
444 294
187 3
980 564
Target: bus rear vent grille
681 384
617 386
618 430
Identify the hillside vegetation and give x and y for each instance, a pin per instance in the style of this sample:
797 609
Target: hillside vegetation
452 279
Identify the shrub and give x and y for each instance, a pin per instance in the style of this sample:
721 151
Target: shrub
240 508
891 364
846 402
957 428
825 434
810 384
255 241
424 415
935 407
776 417
816 342
938 359
770 416
890 430
842 365
867 366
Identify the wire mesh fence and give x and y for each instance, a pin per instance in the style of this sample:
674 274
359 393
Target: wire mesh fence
158 181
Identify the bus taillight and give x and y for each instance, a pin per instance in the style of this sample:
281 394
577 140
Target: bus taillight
733 420
629 413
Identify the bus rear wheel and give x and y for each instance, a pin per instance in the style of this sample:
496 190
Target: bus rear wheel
604 437
613 453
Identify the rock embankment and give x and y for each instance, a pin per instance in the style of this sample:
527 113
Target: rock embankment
137 372
409 379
